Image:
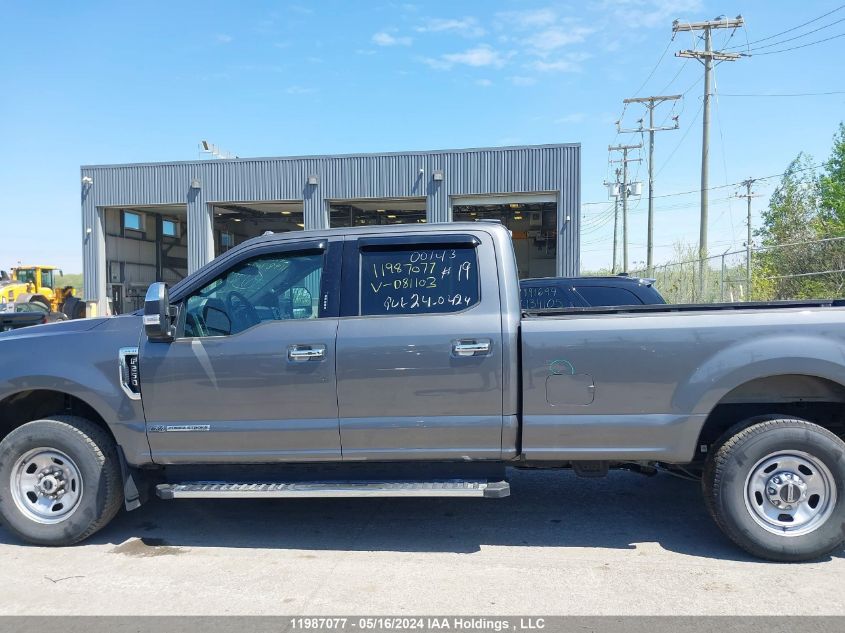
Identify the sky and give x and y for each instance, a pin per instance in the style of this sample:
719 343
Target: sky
104 82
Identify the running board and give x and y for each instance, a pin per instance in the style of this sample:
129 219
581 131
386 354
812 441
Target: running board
264 490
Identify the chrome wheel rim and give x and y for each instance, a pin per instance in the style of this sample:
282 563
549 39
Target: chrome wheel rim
46 485
790 493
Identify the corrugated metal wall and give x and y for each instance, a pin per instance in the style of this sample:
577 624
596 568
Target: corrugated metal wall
501 170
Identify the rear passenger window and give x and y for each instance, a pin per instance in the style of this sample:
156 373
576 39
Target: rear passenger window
398 280
601 296
547 298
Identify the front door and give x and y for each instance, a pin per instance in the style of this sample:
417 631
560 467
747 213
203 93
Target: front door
250 376
419 353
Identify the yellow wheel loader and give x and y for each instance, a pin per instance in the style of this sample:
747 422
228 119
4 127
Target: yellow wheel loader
37 284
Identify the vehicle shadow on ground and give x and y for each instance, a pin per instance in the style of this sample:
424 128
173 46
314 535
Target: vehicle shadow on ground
545 509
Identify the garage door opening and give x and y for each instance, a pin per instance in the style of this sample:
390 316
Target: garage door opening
144 244
374 212
236 222
532 221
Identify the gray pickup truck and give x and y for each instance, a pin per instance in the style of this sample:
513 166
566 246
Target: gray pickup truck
397 362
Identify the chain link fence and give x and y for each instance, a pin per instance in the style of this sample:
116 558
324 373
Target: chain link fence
798 270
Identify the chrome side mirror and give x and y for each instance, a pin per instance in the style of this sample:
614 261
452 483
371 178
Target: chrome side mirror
157 320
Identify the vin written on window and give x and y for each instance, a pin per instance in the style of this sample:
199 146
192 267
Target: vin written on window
403 281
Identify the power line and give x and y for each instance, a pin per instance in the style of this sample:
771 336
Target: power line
690 205
786 94
656 66
745 32
733 184
722 148
795 48
692 85
797 37
677 74
683 137
794 28
597 222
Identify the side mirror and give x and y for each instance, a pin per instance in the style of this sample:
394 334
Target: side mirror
301 300
157 323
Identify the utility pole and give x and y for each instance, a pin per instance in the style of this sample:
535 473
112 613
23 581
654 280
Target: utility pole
615 196
616 220
651 103
623 191
707 57
748 195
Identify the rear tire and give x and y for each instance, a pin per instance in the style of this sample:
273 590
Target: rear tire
777 489
59 480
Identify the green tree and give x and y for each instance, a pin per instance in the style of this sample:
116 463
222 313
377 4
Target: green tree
792 223
800 259
793 213
832 188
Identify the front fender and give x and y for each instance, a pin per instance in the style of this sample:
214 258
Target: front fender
81 361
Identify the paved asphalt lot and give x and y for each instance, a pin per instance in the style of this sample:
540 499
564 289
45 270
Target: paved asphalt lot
559 545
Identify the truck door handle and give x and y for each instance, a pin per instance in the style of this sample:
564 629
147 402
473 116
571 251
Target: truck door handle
471 347
302 353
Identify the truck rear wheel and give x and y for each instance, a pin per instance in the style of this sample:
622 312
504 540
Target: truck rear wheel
777 489
59 480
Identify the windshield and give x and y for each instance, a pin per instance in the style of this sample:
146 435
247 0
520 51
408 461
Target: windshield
26 275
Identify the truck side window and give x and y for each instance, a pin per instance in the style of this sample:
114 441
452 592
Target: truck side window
268 288
547 297
46 278
419 280
607 296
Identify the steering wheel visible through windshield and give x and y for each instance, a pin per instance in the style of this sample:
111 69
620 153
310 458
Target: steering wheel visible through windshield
268 288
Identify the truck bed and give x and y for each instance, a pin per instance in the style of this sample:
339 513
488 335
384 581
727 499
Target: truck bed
638 382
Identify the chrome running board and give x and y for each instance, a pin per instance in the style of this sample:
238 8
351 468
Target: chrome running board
262 490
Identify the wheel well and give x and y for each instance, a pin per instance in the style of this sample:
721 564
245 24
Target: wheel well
810 398
34 404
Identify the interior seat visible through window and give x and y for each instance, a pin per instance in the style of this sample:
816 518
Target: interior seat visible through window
277 287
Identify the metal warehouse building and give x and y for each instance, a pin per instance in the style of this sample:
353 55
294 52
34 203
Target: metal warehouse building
160 221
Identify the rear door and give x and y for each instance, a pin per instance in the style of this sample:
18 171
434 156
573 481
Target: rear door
419 350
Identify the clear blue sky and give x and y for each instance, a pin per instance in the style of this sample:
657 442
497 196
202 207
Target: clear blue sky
105 82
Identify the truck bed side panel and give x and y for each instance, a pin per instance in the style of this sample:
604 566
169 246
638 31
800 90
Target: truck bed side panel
640 386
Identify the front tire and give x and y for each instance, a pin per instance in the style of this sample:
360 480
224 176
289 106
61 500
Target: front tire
59 480
777 489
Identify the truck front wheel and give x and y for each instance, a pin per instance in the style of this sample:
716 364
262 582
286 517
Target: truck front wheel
59 480
777 489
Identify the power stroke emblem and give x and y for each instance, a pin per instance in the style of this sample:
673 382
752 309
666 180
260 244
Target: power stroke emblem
178 428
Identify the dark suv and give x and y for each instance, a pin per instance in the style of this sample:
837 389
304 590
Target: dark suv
548 293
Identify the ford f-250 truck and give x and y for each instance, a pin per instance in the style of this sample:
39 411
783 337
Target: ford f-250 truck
397 362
